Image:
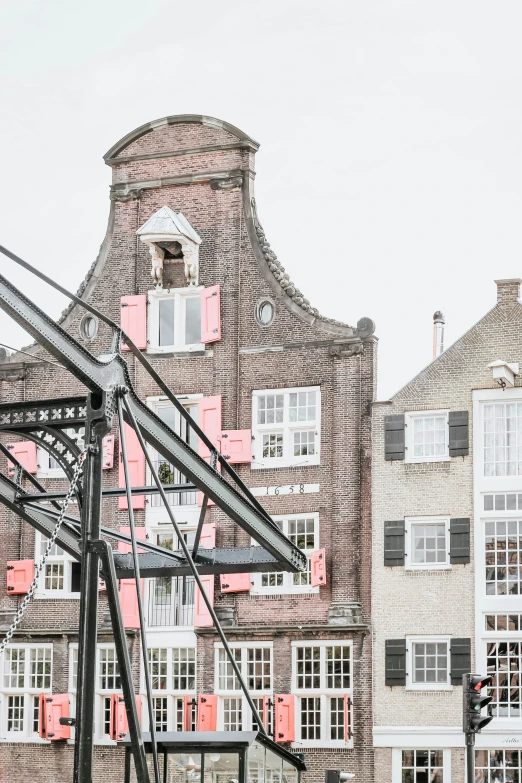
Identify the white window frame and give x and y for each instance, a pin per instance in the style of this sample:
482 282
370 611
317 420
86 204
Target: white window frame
288 586
43 459
237 693
286 428
427 686
323 693
150 584
165 642
156 514
27 692
409 522
64 559
419 743
101 694
409 418
179 295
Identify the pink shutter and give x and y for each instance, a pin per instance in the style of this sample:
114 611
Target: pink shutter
210 314
133 319
284 730
188 712
118 723
209 419
136 459
25 453
235 583
207 713
20 574
56 707
208 536
108 452
141 534
318 567
42 723
202 617
265 714
236 446
129 602
348 733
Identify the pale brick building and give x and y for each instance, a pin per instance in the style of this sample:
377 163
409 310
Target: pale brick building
447 543
290 388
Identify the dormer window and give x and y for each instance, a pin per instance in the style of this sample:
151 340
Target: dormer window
174 249
175 320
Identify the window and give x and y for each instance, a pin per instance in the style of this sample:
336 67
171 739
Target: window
107 682
175 320
167 473
265 312
423 766
504 660
427 436
170 599
286 427
502 501
26 672
48 466
503 556
255 663
427 542
429 667
173 676
498 766
61 575
503 622
322 677
303 532
503 439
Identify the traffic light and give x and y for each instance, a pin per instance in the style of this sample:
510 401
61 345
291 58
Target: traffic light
336 776
474 702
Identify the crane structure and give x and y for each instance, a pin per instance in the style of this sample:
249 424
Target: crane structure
110 398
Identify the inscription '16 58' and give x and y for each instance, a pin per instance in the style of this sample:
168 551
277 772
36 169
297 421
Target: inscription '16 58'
287 489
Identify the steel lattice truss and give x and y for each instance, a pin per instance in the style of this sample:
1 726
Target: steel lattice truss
111 398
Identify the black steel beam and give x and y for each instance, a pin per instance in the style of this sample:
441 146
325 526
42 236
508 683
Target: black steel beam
108 374
253 559
111 492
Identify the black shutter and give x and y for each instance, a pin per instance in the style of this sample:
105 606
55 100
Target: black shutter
459 541
394 437
460 659
395 662
458 433
394 543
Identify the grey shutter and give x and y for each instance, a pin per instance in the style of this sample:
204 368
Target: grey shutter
394 543
458 433
394 437
460 659
395 662
459 541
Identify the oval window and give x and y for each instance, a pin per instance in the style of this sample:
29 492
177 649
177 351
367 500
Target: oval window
89 327
265 312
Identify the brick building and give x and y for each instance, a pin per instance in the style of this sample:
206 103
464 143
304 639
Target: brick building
446 579
186 264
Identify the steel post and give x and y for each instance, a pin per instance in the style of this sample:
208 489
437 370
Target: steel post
96 427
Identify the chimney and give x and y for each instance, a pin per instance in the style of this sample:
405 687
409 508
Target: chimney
438 333
508 291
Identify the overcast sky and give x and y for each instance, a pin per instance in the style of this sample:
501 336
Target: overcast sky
390 169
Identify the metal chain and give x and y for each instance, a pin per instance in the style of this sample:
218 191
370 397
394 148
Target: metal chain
78 470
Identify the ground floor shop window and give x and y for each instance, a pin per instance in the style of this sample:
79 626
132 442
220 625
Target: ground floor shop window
498 766
423 766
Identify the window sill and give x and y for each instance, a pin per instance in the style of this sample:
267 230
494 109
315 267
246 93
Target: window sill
57 595
425 460
303 744
199 347
284 463
273 591
424 688
429 567
27 740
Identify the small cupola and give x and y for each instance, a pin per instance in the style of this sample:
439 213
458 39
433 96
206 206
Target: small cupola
172 241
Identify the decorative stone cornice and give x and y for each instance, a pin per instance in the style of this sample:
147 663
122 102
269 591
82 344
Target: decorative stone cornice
126 195
234 183
13 372
346 350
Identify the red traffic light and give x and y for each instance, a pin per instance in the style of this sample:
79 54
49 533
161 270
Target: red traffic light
477 683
